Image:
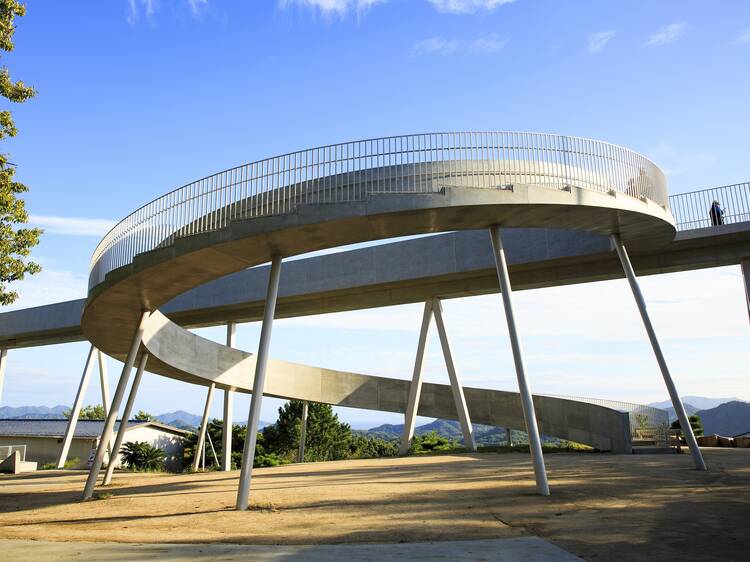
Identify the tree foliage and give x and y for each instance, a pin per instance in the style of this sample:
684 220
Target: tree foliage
326 439
144 416
432 441
16 240
139 455
90 412
695 423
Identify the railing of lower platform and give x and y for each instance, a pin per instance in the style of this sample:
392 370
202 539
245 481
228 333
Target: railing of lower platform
694 210
647 424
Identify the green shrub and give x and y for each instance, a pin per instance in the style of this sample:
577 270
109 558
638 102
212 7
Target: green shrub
70 463
695 423
432 442
139 455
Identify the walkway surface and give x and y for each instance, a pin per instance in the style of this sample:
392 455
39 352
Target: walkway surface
522 549
603 507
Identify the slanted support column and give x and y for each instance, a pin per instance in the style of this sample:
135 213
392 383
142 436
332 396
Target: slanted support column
745 266
3 364
458 392
76 409
671 388
114 409
103 381
226 438
115 451
248 453
302 433
527 402
204 427
415 390
104 386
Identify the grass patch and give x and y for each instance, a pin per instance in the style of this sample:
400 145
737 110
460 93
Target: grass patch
70 463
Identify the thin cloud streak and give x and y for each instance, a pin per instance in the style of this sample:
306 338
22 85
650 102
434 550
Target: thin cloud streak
337 7
149 8
667 34
487 45
467 6
72 226
597 41
342 7
744 36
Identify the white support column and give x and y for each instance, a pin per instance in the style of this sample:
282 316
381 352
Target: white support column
204 427
115 450
213 450
456 388
103 380
248 453
415 390
104 387
302 433
109 424
527 402
76 409
3 364
226 439
679 409
745 266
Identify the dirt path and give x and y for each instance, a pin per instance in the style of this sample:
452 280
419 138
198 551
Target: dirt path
602 506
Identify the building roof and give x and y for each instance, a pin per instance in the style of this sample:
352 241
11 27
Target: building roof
85 429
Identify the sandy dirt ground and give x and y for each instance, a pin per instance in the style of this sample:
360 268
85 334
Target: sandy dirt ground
603 507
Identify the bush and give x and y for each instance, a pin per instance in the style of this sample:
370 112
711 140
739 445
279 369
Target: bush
139 455
433 441
695 423
362 447
70 463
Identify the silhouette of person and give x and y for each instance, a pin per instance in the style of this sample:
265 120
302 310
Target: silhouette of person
716 213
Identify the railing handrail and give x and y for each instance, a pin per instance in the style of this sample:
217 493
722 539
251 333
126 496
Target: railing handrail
278 184
692 209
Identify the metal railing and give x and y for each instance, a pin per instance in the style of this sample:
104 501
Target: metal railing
693 210
646 422
351 171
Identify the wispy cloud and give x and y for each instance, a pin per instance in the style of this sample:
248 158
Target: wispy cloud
49 286
485 45
147 9
667 34
597 41
197 6
72 226
333 7
675 163
342 7
744 36
137 8
467 6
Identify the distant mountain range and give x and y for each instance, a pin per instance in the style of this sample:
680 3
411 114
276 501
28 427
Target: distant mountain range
180 418
483 434
698 402
32 412
723 416
729 419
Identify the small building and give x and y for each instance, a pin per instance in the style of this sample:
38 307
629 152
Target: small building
43 439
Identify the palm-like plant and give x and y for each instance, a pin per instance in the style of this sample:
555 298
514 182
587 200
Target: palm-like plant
139 455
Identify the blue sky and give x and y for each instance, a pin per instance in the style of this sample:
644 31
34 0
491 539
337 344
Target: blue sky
138 97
